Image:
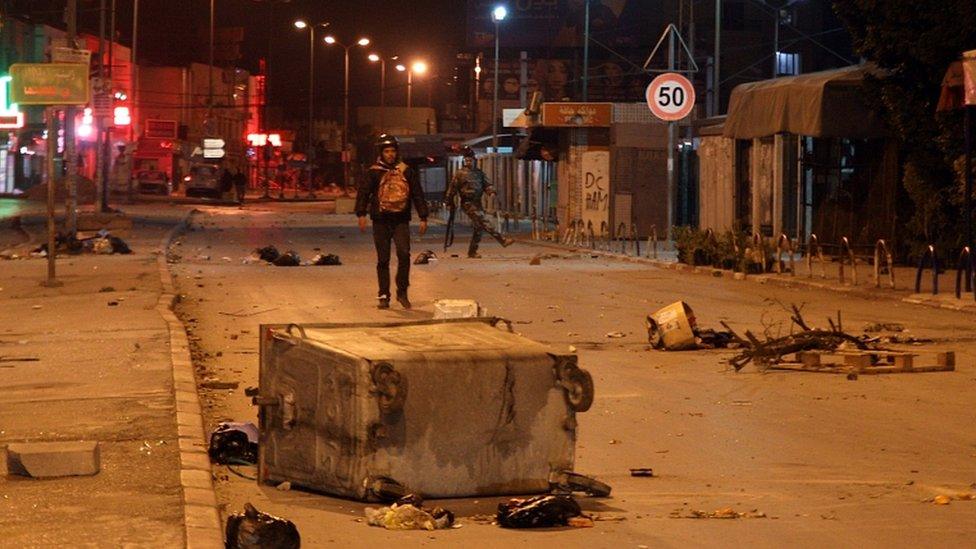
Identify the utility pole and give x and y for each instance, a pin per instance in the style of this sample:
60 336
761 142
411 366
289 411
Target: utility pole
717 64
777 17
52 149
136 108
102 186
586 52
210 67
71 156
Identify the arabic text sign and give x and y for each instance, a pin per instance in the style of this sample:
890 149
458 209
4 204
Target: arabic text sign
49 84
576 115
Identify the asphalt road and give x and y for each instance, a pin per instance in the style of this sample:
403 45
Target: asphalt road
827 461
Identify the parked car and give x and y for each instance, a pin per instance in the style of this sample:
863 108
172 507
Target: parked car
152 182
204 181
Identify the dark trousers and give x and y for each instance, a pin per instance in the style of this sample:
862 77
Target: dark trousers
399 233
479 225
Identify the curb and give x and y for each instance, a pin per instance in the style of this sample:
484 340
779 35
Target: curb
201 518
760 279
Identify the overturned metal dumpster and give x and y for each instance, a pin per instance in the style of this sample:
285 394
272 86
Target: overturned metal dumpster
444 408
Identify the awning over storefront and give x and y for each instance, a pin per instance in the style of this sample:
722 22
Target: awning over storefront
820 104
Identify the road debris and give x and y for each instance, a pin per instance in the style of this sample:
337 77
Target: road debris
101 243
425 257
946 499
726 513
884 327
268 254
408 513
253 529
831 351
538 512
675 328
642 472
616 335
284 486
234 443
327 260
288 259
219 385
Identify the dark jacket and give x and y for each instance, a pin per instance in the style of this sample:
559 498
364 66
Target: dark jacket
367 200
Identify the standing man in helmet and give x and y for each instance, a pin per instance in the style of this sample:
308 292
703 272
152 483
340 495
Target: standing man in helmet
469 184
386 195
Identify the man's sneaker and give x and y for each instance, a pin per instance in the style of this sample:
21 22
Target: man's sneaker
384 302
404 301
474 256
507 242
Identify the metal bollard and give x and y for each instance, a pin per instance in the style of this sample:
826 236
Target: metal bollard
933 261
847 253
759 251
814 249
882 253
787 247
967 264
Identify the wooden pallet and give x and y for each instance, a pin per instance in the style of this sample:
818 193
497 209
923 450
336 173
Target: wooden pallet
864 362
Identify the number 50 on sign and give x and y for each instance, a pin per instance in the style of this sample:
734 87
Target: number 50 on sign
671 97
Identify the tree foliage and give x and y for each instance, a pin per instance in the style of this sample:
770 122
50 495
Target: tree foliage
914 42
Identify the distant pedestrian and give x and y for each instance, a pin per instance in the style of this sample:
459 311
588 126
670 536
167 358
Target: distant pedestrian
469 184
240 185
226 181
386 195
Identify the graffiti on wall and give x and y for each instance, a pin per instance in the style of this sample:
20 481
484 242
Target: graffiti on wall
596 188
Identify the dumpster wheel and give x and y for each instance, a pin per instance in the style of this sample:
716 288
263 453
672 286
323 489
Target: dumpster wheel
578 385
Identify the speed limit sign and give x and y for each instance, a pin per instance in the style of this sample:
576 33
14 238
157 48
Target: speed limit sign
671 97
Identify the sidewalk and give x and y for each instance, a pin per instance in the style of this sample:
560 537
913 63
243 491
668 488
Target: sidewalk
103 373
824 276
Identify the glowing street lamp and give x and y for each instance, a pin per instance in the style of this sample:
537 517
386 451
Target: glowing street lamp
497 15
362 42
301 24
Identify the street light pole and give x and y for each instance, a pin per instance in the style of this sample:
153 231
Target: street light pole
210 91
717 64
586 53
362 42
409 88
497 15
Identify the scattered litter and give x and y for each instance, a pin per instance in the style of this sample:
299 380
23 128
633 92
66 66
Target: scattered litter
284 486
37 307
642 472
253 529
675 328
616 335
945 499
219 385
614 441
458 308
425 257
884 327
288 259
106 290
408 513
538 512
580 522
113 303
326 260
234 443
537 260
268 253
724 513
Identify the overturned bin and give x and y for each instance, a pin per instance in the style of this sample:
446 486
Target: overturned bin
444 408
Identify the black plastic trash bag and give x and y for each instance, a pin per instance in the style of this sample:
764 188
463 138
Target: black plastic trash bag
425 258
537 512
119 246
234 443
288 259
326 260
268 253
253 529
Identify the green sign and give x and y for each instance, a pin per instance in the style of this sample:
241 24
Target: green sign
49 84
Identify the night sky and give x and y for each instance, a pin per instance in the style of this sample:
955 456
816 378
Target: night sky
174 32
